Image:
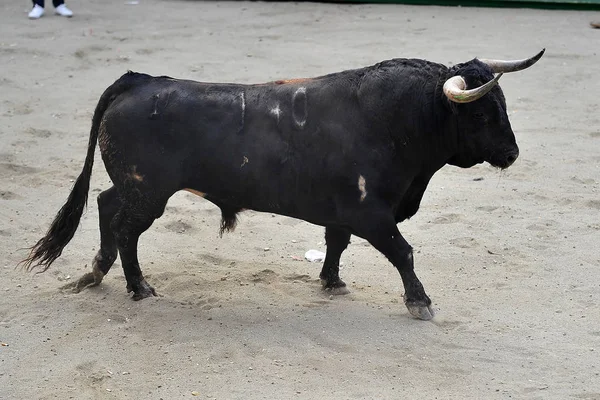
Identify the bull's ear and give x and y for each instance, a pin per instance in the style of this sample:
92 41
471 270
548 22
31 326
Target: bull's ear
455 89
512 65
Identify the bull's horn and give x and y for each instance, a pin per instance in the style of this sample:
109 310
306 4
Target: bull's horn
512 66
455 89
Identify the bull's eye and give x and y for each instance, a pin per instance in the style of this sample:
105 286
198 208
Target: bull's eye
480 116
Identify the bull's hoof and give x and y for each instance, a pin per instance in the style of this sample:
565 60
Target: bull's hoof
88 280
420 309
337 287
141 290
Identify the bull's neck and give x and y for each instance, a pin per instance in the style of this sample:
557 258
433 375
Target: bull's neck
425 136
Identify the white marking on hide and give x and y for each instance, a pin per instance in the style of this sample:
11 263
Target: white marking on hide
276 111
300 120
301 89
362 187
156 96
243 99
244 162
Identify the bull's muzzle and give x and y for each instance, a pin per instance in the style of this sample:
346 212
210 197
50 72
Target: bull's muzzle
505 159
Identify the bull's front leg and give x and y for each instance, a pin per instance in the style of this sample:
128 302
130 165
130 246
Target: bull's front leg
415 298
381 231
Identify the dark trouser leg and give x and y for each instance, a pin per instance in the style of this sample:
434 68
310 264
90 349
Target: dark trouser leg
57 3
337 240
38 2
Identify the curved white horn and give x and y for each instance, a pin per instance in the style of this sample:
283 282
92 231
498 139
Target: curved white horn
514 65
455 89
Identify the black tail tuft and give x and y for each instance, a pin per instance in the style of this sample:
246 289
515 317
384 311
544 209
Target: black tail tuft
228 220
50 247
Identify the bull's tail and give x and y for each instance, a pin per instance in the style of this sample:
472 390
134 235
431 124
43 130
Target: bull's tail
60 233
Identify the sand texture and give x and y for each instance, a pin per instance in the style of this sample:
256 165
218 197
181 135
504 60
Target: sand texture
510 259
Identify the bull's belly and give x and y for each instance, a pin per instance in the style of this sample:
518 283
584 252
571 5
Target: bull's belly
318 209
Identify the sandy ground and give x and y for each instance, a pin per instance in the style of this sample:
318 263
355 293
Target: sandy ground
511 260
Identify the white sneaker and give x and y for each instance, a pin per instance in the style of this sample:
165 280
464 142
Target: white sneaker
64 11
36 12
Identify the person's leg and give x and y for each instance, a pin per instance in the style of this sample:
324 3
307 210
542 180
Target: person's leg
57 3
39 3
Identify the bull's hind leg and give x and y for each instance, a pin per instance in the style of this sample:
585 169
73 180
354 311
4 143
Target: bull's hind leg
337 240
133 219
108 205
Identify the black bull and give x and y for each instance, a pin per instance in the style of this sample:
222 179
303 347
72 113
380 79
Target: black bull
351 151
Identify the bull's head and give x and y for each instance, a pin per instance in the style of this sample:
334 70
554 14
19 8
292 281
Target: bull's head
484 132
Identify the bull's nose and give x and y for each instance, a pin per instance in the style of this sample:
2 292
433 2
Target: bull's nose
511 157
